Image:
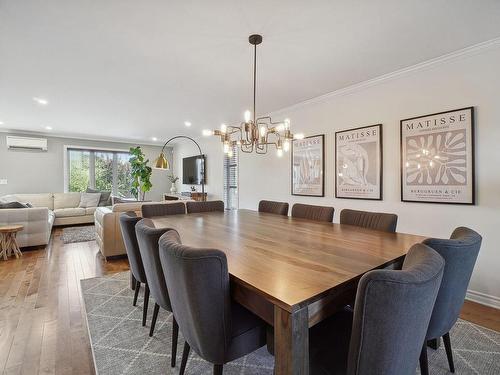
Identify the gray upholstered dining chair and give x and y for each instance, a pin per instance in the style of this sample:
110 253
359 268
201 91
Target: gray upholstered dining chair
372 220
147 238
162 209
272 207
391 315
310 212
217 328
128 220
208 206
460 253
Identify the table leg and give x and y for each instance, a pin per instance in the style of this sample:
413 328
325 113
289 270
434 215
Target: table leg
15 246
291 342
3 245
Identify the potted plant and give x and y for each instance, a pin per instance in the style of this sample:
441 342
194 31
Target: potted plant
173 179
141 173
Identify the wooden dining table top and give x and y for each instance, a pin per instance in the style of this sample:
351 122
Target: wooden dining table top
290 261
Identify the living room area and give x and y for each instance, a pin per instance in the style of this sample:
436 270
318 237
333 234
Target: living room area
249 188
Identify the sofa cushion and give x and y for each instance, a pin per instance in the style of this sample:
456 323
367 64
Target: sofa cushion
90 210
89 200
66 200
36 200
14 204
68 212
105 197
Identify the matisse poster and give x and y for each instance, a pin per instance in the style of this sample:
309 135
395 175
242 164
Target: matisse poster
358 163
437 158
308 166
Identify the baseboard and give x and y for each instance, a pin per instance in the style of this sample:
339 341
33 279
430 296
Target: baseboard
483 299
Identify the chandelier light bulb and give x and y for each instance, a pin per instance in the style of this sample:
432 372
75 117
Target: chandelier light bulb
299 136
208 132
223 128
263 131
286 145
230 153
279 152
287 124
280 127
226 147
248 116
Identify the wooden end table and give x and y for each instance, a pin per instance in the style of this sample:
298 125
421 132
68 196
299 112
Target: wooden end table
8 243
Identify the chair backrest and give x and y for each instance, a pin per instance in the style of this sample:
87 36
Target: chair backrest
147 238
198 283
392 313
372 220
307 211
460 254
128 220
278 208
163 209
209 206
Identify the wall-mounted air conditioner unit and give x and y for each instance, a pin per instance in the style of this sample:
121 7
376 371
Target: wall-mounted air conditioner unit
26 143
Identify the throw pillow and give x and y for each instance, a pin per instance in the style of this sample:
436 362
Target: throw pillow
105 197
89 200
13 205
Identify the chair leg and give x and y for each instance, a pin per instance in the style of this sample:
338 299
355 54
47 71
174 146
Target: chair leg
136 294
153 321
218 369
145 303
185 356
449 353
175 336
424 364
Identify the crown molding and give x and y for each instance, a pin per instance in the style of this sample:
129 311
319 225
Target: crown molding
452 56
79 137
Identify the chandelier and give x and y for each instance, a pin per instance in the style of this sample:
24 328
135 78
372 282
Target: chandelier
255 134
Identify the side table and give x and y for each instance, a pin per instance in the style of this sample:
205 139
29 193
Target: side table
8 243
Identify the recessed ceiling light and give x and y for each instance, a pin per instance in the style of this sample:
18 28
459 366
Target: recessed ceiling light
187 123
154 139
1 122
41 101
48 128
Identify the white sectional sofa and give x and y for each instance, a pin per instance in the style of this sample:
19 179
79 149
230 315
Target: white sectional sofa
48 209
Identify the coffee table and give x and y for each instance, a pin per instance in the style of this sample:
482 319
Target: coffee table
8 243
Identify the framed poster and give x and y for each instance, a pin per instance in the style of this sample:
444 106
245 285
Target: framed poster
437 158
358 163
308 166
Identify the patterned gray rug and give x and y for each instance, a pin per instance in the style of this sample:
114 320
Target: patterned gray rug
78 234
122 346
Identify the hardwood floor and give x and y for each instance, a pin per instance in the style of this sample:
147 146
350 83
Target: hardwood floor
42 323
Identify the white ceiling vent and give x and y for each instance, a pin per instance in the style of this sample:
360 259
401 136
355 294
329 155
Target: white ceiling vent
26 143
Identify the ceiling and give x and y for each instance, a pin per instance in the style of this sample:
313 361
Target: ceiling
132 70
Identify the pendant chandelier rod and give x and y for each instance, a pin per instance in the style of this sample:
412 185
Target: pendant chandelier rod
254 79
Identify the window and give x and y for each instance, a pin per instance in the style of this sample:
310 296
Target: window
231 179
98 169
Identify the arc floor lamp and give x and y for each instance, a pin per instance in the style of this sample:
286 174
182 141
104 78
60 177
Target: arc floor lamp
162 162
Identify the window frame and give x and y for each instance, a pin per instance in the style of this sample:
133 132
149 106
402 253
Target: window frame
92 151
227 166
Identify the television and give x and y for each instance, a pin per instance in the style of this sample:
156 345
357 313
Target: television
193 170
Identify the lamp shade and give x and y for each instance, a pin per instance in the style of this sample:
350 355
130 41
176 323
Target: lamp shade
162 162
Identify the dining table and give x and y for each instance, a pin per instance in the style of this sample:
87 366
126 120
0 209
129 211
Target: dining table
292 273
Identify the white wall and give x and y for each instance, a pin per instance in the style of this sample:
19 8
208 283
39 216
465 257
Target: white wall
471 79
40 172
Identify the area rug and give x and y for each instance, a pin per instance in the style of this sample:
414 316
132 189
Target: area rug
78 234
122 346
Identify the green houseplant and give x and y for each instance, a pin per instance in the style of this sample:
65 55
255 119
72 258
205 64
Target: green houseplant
141 173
